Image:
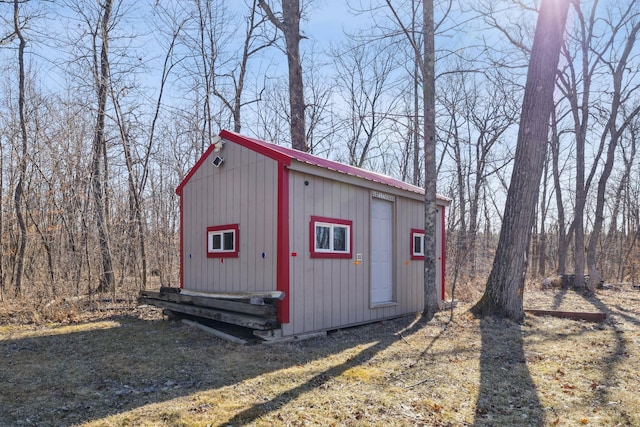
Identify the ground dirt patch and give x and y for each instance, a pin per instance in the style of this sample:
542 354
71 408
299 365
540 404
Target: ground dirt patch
130 367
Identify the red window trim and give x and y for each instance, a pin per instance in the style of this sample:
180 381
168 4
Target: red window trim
312 241
236 243
415 231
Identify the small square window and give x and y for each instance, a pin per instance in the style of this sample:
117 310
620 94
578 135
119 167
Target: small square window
222 241
330 238
417 243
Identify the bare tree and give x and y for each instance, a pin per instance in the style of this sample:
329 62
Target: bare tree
364 84
289 24
477 111
22 163
504 292
614 131
428 72
576 86
425 59
616 247
321 118
563 238
209 36
256 38
271 115
594 106
107 278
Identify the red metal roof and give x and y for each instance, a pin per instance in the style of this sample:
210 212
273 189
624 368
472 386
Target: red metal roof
284 154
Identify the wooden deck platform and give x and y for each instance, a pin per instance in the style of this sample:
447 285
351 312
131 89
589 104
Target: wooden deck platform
229 308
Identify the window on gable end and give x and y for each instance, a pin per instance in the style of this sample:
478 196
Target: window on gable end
222 241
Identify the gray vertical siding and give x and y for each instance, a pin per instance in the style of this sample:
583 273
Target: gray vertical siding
333 293
242 191
324 293
410 273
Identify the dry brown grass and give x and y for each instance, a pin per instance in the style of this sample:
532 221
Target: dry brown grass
129 367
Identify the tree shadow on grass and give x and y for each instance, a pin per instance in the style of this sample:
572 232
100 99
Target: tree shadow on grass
257 411
612 359
507 394
72 375
558 298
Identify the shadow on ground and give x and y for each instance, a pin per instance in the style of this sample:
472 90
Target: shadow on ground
67 376
507 393
617 316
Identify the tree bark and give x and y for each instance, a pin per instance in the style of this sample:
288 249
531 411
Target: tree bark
107 280
431 305
22 162
425 58
563 244
289 25
504 292
542 238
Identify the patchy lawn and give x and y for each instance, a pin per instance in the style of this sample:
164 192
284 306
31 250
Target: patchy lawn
132 368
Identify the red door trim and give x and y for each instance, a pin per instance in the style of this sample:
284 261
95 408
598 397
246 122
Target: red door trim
282 267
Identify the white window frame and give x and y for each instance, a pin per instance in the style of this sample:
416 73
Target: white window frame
222 231
332 225
416 233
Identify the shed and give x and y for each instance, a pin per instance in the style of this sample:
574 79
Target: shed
340 245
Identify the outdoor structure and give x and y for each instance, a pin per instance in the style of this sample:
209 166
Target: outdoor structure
332 244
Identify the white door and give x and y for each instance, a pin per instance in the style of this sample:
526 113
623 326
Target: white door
381 251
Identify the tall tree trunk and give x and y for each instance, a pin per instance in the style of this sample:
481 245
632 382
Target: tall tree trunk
542 238
617 238
578 221
47 245
431 304
291 29
416 106
289 25
135 205
563 245
504 292
107 280
425 59
208 57
581 116
22 161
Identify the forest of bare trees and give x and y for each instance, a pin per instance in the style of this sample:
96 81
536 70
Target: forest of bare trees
104 107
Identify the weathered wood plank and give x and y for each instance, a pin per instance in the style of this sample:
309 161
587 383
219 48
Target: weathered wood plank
216 332
279 295
266 310
574 315
239 319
